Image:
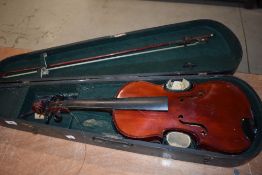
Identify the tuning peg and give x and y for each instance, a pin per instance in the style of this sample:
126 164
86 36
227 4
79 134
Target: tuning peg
48 118
58 117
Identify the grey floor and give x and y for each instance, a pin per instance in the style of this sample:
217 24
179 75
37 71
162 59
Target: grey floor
38 24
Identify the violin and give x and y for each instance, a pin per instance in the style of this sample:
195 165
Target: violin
212 113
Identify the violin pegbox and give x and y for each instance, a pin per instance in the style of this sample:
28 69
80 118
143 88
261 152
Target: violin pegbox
43 110
40 107
178 86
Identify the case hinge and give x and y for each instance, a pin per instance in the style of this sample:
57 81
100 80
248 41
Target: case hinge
44 71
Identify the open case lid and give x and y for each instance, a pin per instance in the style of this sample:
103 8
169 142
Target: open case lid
194 47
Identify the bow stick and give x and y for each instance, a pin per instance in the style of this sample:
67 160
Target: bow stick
186 41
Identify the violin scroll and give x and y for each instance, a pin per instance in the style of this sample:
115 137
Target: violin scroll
50 108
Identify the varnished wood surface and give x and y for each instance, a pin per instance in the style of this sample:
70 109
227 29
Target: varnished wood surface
208 113
26 153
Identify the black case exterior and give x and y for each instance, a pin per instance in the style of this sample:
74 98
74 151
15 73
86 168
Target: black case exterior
224 50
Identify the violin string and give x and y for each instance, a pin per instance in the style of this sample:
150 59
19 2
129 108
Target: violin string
83 136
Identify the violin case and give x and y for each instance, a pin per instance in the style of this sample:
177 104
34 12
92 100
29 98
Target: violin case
216 59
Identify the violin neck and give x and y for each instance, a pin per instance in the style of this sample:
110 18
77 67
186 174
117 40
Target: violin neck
134 103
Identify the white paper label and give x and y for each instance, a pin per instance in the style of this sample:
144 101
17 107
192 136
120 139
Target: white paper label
119 35
70 137
39 116
10 122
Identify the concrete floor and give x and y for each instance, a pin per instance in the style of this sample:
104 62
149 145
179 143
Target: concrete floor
41 24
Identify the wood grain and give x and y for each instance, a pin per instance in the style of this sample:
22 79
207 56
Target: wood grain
27 153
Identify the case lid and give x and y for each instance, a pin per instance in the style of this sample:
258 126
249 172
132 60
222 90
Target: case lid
194 47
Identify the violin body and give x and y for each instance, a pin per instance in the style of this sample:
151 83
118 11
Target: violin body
211 113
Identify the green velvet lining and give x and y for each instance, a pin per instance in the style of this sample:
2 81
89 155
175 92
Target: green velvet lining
91 121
